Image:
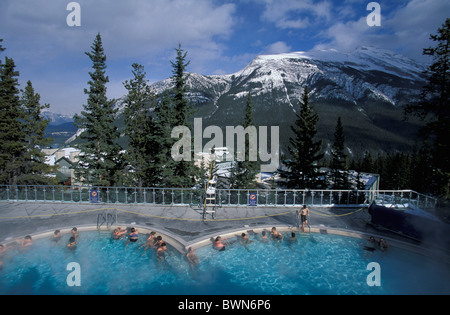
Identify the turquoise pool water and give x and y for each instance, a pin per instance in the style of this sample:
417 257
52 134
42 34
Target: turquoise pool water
317 264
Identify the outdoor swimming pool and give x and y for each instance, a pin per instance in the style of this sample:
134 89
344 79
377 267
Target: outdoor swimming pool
317 264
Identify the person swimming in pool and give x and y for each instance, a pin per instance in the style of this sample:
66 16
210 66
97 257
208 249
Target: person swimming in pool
220 244
245 240
74 232
383 245
370 244
292 239
26 242
56 236
192 258
161 254
150 243
72 245
276 235
119 233
133 236
264 237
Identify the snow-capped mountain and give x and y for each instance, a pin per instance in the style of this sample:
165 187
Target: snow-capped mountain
366 87
57 119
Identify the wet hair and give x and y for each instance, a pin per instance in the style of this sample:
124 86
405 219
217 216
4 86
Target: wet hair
71 239
56 232
292 234
217 238
28 237
75 229
263 233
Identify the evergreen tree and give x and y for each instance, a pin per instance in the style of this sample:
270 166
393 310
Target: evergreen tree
339 167
100 163
34 165
435 111
182 108
12 132
184 172
163 128
422 168
367 164
305 151
140 129
244 172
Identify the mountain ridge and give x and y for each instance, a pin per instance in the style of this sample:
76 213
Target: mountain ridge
367 88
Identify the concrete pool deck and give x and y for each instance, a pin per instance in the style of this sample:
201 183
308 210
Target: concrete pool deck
184 224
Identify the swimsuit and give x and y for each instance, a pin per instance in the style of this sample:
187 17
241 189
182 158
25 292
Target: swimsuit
133 237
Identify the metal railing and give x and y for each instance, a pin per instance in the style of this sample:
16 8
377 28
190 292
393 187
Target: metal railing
225 197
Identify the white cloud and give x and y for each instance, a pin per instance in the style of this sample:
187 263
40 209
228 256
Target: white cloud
37 36
405 29
277 48
294 14
128 27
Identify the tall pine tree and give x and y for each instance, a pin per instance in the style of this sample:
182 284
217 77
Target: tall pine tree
164 123
185 173
434 109
12 132
244 172
34 165
303 168
140 128
100 162
339 169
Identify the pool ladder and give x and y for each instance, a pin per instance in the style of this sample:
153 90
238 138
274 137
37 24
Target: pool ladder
209 204
107 217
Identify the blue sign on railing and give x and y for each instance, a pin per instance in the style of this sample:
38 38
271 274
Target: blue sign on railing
253 199
93 196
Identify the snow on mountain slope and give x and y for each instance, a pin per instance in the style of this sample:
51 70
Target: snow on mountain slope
366 87
350 76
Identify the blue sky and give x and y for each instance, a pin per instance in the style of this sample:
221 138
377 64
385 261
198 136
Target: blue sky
221 37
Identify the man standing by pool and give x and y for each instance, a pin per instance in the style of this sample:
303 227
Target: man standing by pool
303 214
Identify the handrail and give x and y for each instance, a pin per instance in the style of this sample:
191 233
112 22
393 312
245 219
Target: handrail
227 197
